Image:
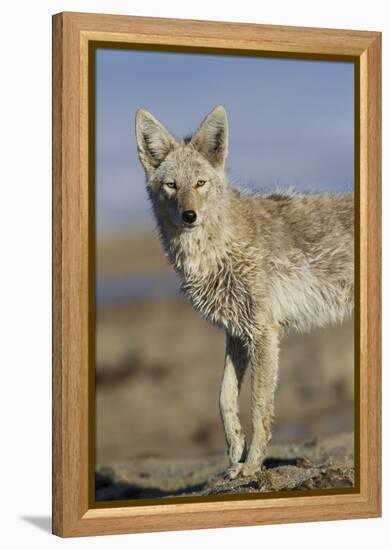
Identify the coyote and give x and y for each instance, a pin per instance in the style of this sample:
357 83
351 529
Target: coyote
252 264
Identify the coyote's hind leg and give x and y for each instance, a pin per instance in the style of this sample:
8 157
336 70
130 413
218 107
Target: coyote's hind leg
236 360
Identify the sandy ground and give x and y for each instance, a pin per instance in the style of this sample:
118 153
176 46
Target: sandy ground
159 367
158 379
328 463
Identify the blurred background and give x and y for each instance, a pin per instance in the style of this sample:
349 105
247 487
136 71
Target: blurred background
158 364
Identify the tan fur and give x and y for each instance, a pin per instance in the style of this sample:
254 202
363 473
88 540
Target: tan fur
251 264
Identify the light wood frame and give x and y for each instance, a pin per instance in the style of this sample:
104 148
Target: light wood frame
73 514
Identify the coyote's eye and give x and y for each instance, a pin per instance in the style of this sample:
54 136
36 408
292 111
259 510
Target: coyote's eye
170 184
200 183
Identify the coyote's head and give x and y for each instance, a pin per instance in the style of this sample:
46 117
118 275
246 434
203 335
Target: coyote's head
185 178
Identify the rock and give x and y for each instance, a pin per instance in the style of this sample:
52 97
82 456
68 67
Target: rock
316 464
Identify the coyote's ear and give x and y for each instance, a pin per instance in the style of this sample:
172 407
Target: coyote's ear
154 142
211 138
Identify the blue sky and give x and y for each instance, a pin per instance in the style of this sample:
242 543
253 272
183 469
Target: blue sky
291 122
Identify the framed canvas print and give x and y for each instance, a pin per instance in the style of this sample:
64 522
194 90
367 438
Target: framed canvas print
216 274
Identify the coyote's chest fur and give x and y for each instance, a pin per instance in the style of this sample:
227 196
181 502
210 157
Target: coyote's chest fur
219 279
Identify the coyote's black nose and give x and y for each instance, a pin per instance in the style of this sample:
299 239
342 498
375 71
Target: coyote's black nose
189 216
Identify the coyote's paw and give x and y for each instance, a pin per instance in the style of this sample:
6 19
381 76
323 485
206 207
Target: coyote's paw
242 469
250 470
234 470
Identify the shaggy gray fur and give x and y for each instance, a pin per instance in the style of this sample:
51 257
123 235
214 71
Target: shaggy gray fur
251 264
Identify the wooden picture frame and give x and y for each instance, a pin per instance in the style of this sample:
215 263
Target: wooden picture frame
74 510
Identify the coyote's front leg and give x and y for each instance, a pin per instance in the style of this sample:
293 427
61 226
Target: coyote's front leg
263 359
236 360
